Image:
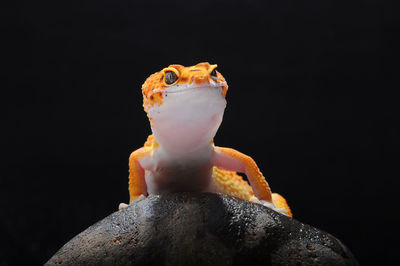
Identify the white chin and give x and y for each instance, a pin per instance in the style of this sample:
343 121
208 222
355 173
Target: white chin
188 119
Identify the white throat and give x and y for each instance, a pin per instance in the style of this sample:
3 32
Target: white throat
188 118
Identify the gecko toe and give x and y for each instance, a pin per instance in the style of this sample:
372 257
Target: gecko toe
122 206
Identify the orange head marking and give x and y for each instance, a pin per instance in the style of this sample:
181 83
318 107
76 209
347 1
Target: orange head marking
177 75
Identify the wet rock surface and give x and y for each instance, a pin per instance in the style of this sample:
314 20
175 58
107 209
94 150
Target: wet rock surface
201 229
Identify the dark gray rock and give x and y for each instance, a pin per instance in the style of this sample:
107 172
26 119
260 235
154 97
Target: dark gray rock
201 229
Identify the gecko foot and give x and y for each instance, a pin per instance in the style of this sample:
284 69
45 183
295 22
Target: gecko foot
272 206
269 205
124 205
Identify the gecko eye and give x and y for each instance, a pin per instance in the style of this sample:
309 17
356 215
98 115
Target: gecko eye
213 73
170 77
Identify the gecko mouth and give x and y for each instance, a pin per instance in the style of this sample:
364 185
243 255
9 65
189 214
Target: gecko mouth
181 89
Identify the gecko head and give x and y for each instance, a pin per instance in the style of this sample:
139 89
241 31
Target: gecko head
185 105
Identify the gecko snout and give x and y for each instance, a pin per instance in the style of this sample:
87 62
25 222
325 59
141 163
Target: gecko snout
199 79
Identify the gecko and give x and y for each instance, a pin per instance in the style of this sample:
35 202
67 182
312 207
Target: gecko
185 107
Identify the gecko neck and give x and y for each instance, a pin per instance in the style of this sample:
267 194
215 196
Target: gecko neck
184 149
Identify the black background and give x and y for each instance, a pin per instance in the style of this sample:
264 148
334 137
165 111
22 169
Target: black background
311 99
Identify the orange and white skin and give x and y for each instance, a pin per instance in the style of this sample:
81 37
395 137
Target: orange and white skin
185 106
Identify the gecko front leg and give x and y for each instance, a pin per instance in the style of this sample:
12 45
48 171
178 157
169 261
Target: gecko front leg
233 160
137 183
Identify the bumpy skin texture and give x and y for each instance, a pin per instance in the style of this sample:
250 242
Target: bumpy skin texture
171 101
